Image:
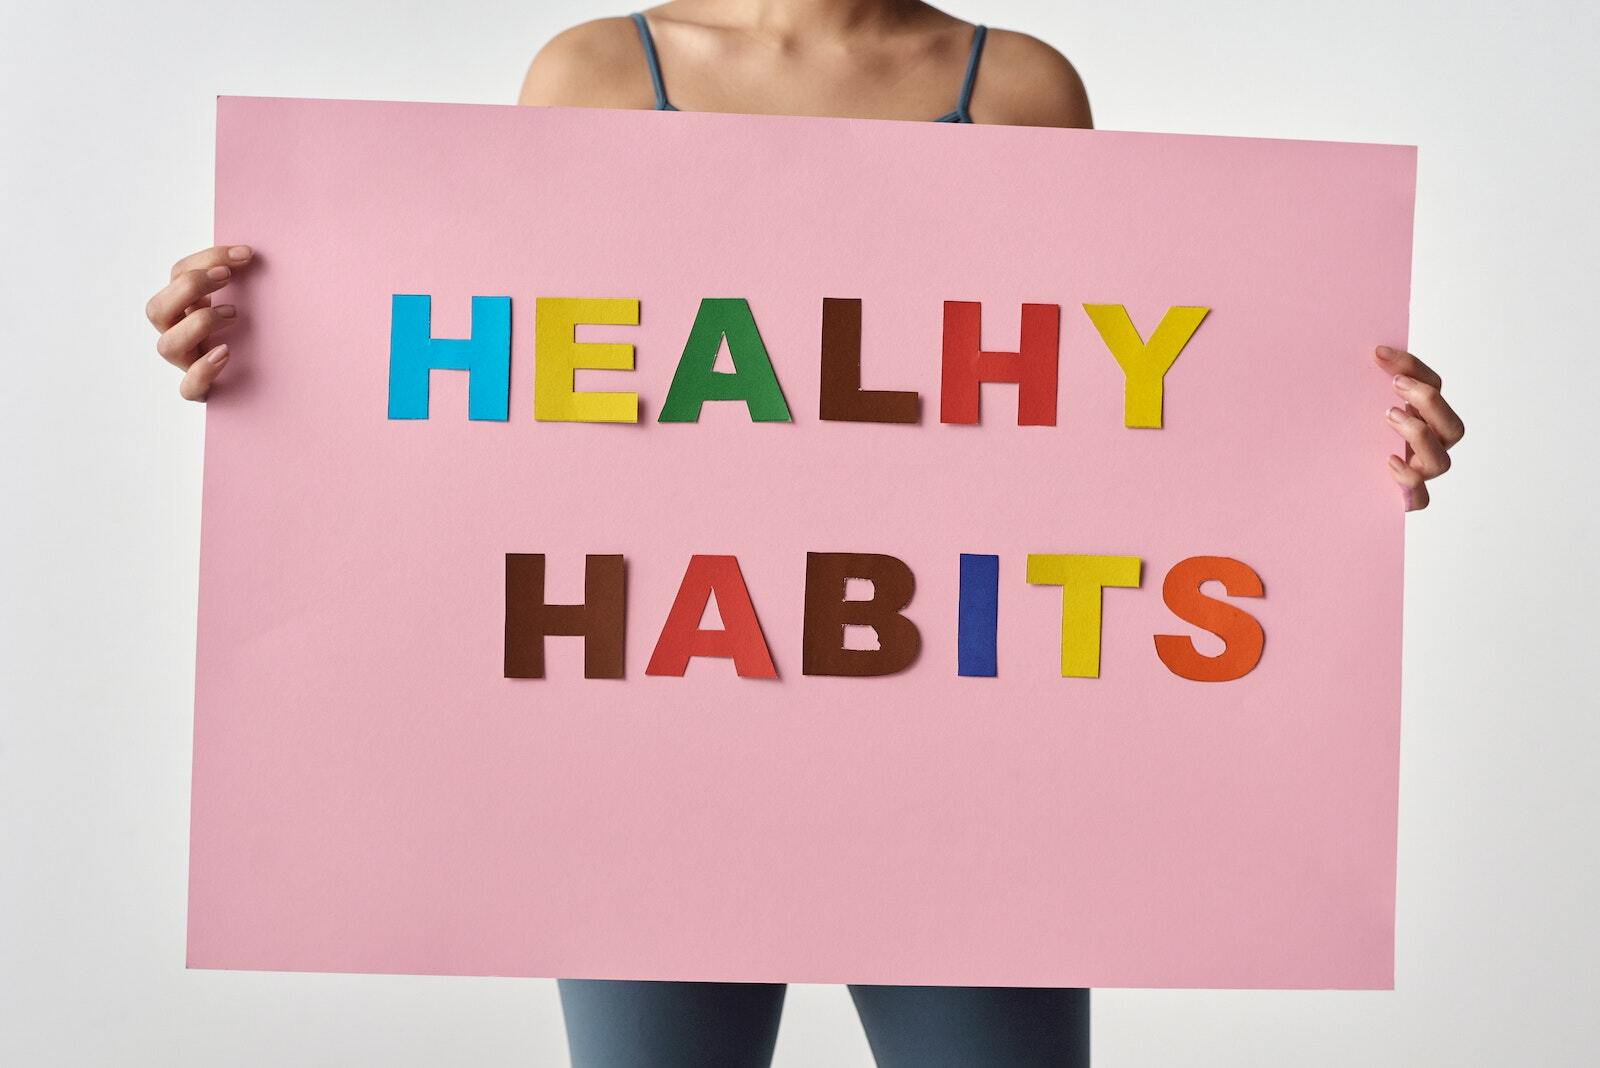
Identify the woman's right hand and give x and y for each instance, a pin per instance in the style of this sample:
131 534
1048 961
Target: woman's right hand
183 313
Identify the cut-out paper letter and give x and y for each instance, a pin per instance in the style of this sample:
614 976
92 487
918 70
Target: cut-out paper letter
1144 363
740 638
966 366
842 398
1081 579
558 353
827 613
1240 632
978 615
752 379
414 352
601 620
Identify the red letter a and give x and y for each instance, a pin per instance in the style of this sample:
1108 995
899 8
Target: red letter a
740 639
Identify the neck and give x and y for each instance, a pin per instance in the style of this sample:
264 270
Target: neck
793 17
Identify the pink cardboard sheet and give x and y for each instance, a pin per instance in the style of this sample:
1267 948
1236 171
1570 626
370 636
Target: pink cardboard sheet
372 793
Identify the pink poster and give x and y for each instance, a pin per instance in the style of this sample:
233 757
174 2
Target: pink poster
989 570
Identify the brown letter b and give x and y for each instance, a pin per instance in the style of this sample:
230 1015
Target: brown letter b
827 613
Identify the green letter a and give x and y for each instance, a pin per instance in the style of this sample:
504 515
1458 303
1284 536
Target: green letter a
752 380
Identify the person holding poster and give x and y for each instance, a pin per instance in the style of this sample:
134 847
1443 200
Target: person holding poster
884 59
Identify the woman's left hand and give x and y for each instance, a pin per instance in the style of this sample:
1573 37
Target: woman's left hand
1425 420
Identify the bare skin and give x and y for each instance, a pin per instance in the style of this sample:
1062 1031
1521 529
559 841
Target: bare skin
873 60
867 59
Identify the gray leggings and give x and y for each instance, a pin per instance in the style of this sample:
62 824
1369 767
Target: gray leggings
628 1024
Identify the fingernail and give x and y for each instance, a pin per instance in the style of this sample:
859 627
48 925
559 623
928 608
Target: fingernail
1385 352
219 355
1396 464
239 253
1404 382
225 311
218 273
1395 415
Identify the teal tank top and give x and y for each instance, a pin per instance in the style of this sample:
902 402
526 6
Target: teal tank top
958 114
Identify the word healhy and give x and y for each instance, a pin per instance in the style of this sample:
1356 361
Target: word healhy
601 618
486 356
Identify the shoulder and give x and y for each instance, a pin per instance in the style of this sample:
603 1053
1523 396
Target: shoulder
1024 82
597 64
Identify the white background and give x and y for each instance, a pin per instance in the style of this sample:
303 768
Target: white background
107 116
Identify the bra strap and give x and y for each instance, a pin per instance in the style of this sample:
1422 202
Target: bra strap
965 100
653 61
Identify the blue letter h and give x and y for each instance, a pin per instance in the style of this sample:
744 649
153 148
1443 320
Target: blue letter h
414 352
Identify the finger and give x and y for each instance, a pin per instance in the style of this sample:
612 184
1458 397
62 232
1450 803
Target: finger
184 291
1403 363
1413 490
180 346
215 256
1434 409
196 382
1429 458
